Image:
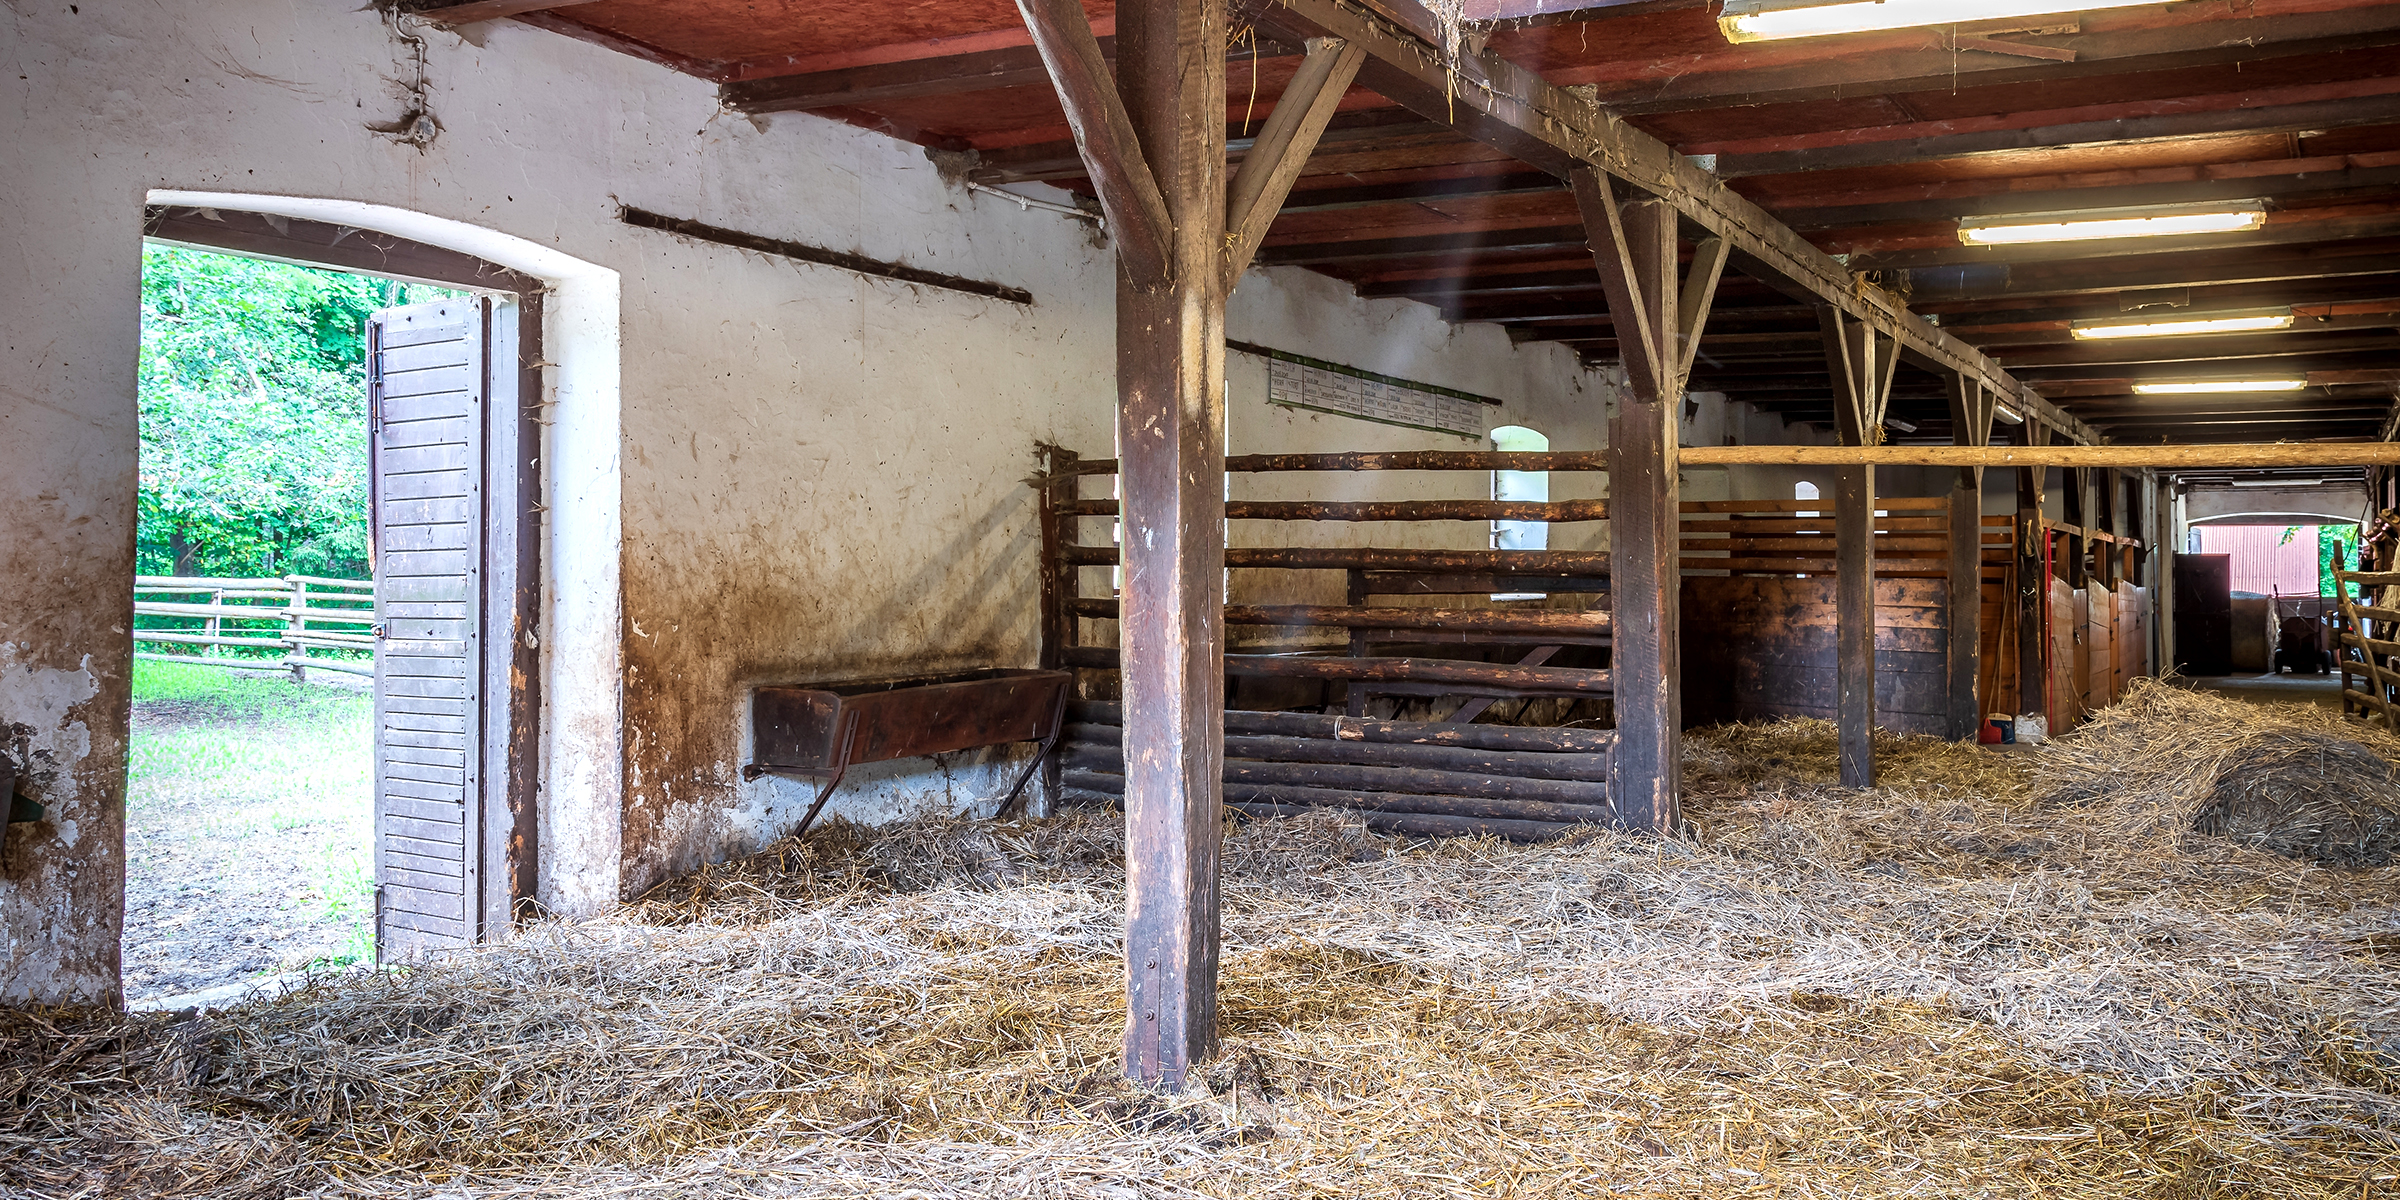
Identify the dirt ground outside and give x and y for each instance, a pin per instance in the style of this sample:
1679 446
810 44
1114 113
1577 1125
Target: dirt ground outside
249 810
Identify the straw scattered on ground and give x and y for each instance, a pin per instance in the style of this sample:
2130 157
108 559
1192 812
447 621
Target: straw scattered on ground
1943 987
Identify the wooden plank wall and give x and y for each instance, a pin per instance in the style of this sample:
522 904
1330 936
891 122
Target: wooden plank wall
1761 647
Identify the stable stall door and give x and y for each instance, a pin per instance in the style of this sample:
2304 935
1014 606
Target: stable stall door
429 377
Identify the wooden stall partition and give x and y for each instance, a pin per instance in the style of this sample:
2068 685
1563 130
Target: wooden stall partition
2132 635
2099 642
2067 668
1796 537
1763 647
1996 684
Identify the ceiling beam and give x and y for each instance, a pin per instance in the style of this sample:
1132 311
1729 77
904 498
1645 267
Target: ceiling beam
1420 191
2378 106
2096 255
1504 105
1993 197
487 10
868 84
1546 238
1919 60
1358 132
2200 269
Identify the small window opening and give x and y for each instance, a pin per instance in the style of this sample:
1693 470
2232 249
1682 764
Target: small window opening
1520 485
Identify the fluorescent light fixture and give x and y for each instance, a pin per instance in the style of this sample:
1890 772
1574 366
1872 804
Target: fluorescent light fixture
2246 321
2008 414
2292 483
2218 387
2099 224
1766 20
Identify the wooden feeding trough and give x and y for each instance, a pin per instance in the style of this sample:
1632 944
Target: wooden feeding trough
820 731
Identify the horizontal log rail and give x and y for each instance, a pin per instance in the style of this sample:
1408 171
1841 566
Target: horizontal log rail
1587 768
1413 781
1451 676
1405 815
1556 512
1533 739
1564 563
2164 457
1572 622
1396 460
1822 508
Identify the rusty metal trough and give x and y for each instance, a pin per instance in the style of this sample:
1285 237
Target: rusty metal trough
820 731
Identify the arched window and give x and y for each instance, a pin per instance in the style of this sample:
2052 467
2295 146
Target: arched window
1520 485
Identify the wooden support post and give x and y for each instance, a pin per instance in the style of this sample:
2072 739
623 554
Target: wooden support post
1354 694
2033 584
1634 247
1861 362
1171 428
1061 583
1154 141
1970 425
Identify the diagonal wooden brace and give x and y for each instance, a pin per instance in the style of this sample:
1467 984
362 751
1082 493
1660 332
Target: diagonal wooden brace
1281 152
1129 195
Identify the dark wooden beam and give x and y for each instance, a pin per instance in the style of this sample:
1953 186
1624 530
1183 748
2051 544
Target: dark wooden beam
2196 269
1373 131
1171 472
1377 195
1104 134
871 84
1274 163
1920 60
2097 255
1634 251
1970 425
488 10
1950 200
2229 117
1545 238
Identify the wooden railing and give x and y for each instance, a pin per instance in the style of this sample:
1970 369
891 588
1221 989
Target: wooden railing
1526 637
242 622
2363 655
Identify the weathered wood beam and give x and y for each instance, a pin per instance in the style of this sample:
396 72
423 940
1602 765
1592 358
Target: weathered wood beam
1473 187
1634 250
1922 60
2226 115
2162 457
488 10
868 84
1970 425
1274 163
1104 134
1854 632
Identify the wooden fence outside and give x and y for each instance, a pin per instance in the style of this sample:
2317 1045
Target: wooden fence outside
288 617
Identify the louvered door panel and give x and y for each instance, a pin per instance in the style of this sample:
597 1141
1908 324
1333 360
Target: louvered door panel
427 383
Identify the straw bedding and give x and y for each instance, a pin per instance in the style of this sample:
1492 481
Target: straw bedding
1947 986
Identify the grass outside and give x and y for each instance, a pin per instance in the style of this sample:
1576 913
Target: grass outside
249 818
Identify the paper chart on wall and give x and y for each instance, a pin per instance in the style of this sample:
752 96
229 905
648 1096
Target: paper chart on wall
1300 385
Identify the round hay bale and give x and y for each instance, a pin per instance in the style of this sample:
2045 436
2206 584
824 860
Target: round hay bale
2295 780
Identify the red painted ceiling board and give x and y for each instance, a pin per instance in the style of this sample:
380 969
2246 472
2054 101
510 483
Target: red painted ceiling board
733 30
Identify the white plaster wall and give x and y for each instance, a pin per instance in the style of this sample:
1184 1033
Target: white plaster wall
817 474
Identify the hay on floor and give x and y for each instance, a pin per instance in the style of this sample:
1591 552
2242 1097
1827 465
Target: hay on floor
1939 987
2295 779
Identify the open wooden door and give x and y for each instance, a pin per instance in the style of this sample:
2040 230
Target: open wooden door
429 381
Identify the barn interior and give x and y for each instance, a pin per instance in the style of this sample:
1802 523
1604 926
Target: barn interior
1234 597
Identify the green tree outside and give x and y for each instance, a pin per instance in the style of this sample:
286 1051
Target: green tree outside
254 415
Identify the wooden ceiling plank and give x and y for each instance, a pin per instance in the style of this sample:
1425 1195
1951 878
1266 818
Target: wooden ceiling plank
1986 282
2098 256
2314 116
